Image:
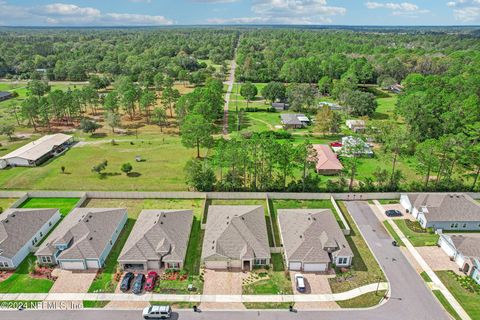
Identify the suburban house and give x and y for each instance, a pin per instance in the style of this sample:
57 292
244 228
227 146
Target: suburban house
37 152
327 162
313 240
331 105
465 251
453 211
280 106
158 240
294 121
356 146
5 95
20 232
83 239
235 237
357 126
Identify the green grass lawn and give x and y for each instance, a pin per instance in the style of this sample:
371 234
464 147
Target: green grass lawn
470 301
94 304
268 305
277 262
22 282
105 282
366 300
180 287
273 283
393 234
64 204
389 201
364 269
175 305
5 203
425 277
441 298
418 239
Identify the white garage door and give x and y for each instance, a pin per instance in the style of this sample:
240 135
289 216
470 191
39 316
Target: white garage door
73 265
216 264
314 267
404 202
92 264
447 248
296 266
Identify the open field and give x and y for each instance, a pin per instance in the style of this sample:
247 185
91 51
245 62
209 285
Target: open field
64 204
470 301
418 237
5 203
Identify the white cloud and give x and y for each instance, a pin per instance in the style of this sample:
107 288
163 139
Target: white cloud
214 1
406 9
466 10
287 12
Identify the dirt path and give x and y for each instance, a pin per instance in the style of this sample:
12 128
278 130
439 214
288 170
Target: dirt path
230 82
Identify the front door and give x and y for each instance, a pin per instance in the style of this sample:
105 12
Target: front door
246 265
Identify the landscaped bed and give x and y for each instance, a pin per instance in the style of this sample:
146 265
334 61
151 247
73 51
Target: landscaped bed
64 204
466 291
418 236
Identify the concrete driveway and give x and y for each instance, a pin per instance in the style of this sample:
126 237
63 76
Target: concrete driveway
437 259
72 282
315 284
220 282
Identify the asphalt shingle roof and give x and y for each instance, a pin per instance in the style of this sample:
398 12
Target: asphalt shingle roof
291 119
468 245
447 207
38 148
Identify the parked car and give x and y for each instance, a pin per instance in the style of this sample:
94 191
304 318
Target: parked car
300 282
152 277
393 213
126 281
137 287
157 312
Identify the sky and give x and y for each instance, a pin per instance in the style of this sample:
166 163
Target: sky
241 12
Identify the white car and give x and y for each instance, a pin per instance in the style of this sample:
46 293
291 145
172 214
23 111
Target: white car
157 312
300 282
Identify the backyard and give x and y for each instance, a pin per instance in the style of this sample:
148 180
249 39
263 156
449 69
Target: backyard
64 204
415 234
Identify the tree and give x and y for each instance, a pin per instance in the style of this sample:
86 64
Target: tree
89 126
111 102
427 160
7 130
274 91
327 120
361 103
30 110
325 85
38 88
113 120
126 168
199 175
196 132
249 91
170 96
147 100
301 97
159 117
99 168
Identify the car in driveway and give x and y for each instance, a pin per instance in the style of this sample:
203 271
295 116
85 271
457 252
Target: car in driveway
137 287
393 213
152 277
126 281
300 283
157 312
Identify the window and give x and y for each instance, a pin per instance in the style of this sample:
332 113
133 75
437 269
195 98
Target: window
464 225
41 234
46 259
260 262
342 260
3 264
173 265
111 242
452 225
50 224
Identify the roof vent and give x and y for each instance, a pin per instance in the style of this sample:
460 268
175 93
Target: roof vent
227 223
13 215
314 219
243 218
301 236
86 220
91 238
161 222
90 216
164 215
6 220
213 248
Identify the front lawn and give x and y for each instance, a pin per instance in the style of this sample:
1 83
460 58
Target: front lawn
267 282
22 282
268 305
393 234
470 300
366 300
415 234
179 286
277 262
64 204
94 304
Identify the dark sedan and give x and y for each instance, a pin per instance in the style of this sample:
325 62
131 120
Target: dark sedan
393 213
126 281
137 287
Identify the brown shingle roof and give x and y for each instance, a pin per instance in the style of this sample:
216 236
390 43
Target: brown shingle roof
447 207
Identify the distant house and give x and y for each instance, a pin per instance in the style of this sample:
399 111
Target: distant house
21 230
158 240
235 237
313 240
355 146
83 239
331 105
5 95
294 121
455 211
465 251
396 88
37 152
327 162
280 106
357 126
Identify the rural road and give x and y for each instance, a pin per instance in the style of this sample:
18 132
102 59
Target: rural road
410 298
230 82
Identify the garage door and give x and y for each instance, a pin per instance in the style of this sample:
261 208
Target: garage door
73 265
314 267
404 202
447 248
92 264
153 265
216 264
296 266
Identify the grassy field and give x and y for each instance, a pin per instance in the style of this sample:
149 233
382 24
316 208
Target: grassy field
469 301
367 300
393 234
22 282
105 281
64 204
441 298
418 239
364 269
5 203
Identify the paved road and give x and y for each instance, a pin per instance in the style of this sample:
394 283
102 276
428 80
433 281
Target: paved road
410 298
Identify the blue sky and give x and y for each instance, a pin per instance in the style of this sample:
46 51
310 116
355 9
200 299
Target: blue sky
184 12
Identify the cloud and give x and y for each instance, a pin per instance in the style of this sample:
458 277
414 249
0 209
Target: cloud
465 10
214 1
287 12
407 9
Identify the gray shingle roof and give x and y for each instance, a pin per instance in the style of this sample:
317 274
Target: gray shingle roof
38 148
291 119
4 94
468 245
447 207
159 235
306 234
18 226
89 229
236 232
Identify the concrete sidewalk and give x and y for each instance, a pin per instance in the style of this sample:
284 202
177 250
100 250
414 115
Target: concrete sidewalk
193 298
436 282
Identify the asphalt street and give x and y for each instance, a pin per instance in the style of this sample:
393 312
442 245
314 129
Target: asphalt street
410 298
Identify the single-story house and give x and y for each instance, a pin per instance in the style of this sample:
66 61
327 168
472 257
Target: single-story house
357 126
37 152
235 237
396 88
327 162
445 211
4 95
294 121
21 230
83 239
331 105
313 240
159 239
280 106
355 146
465 251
